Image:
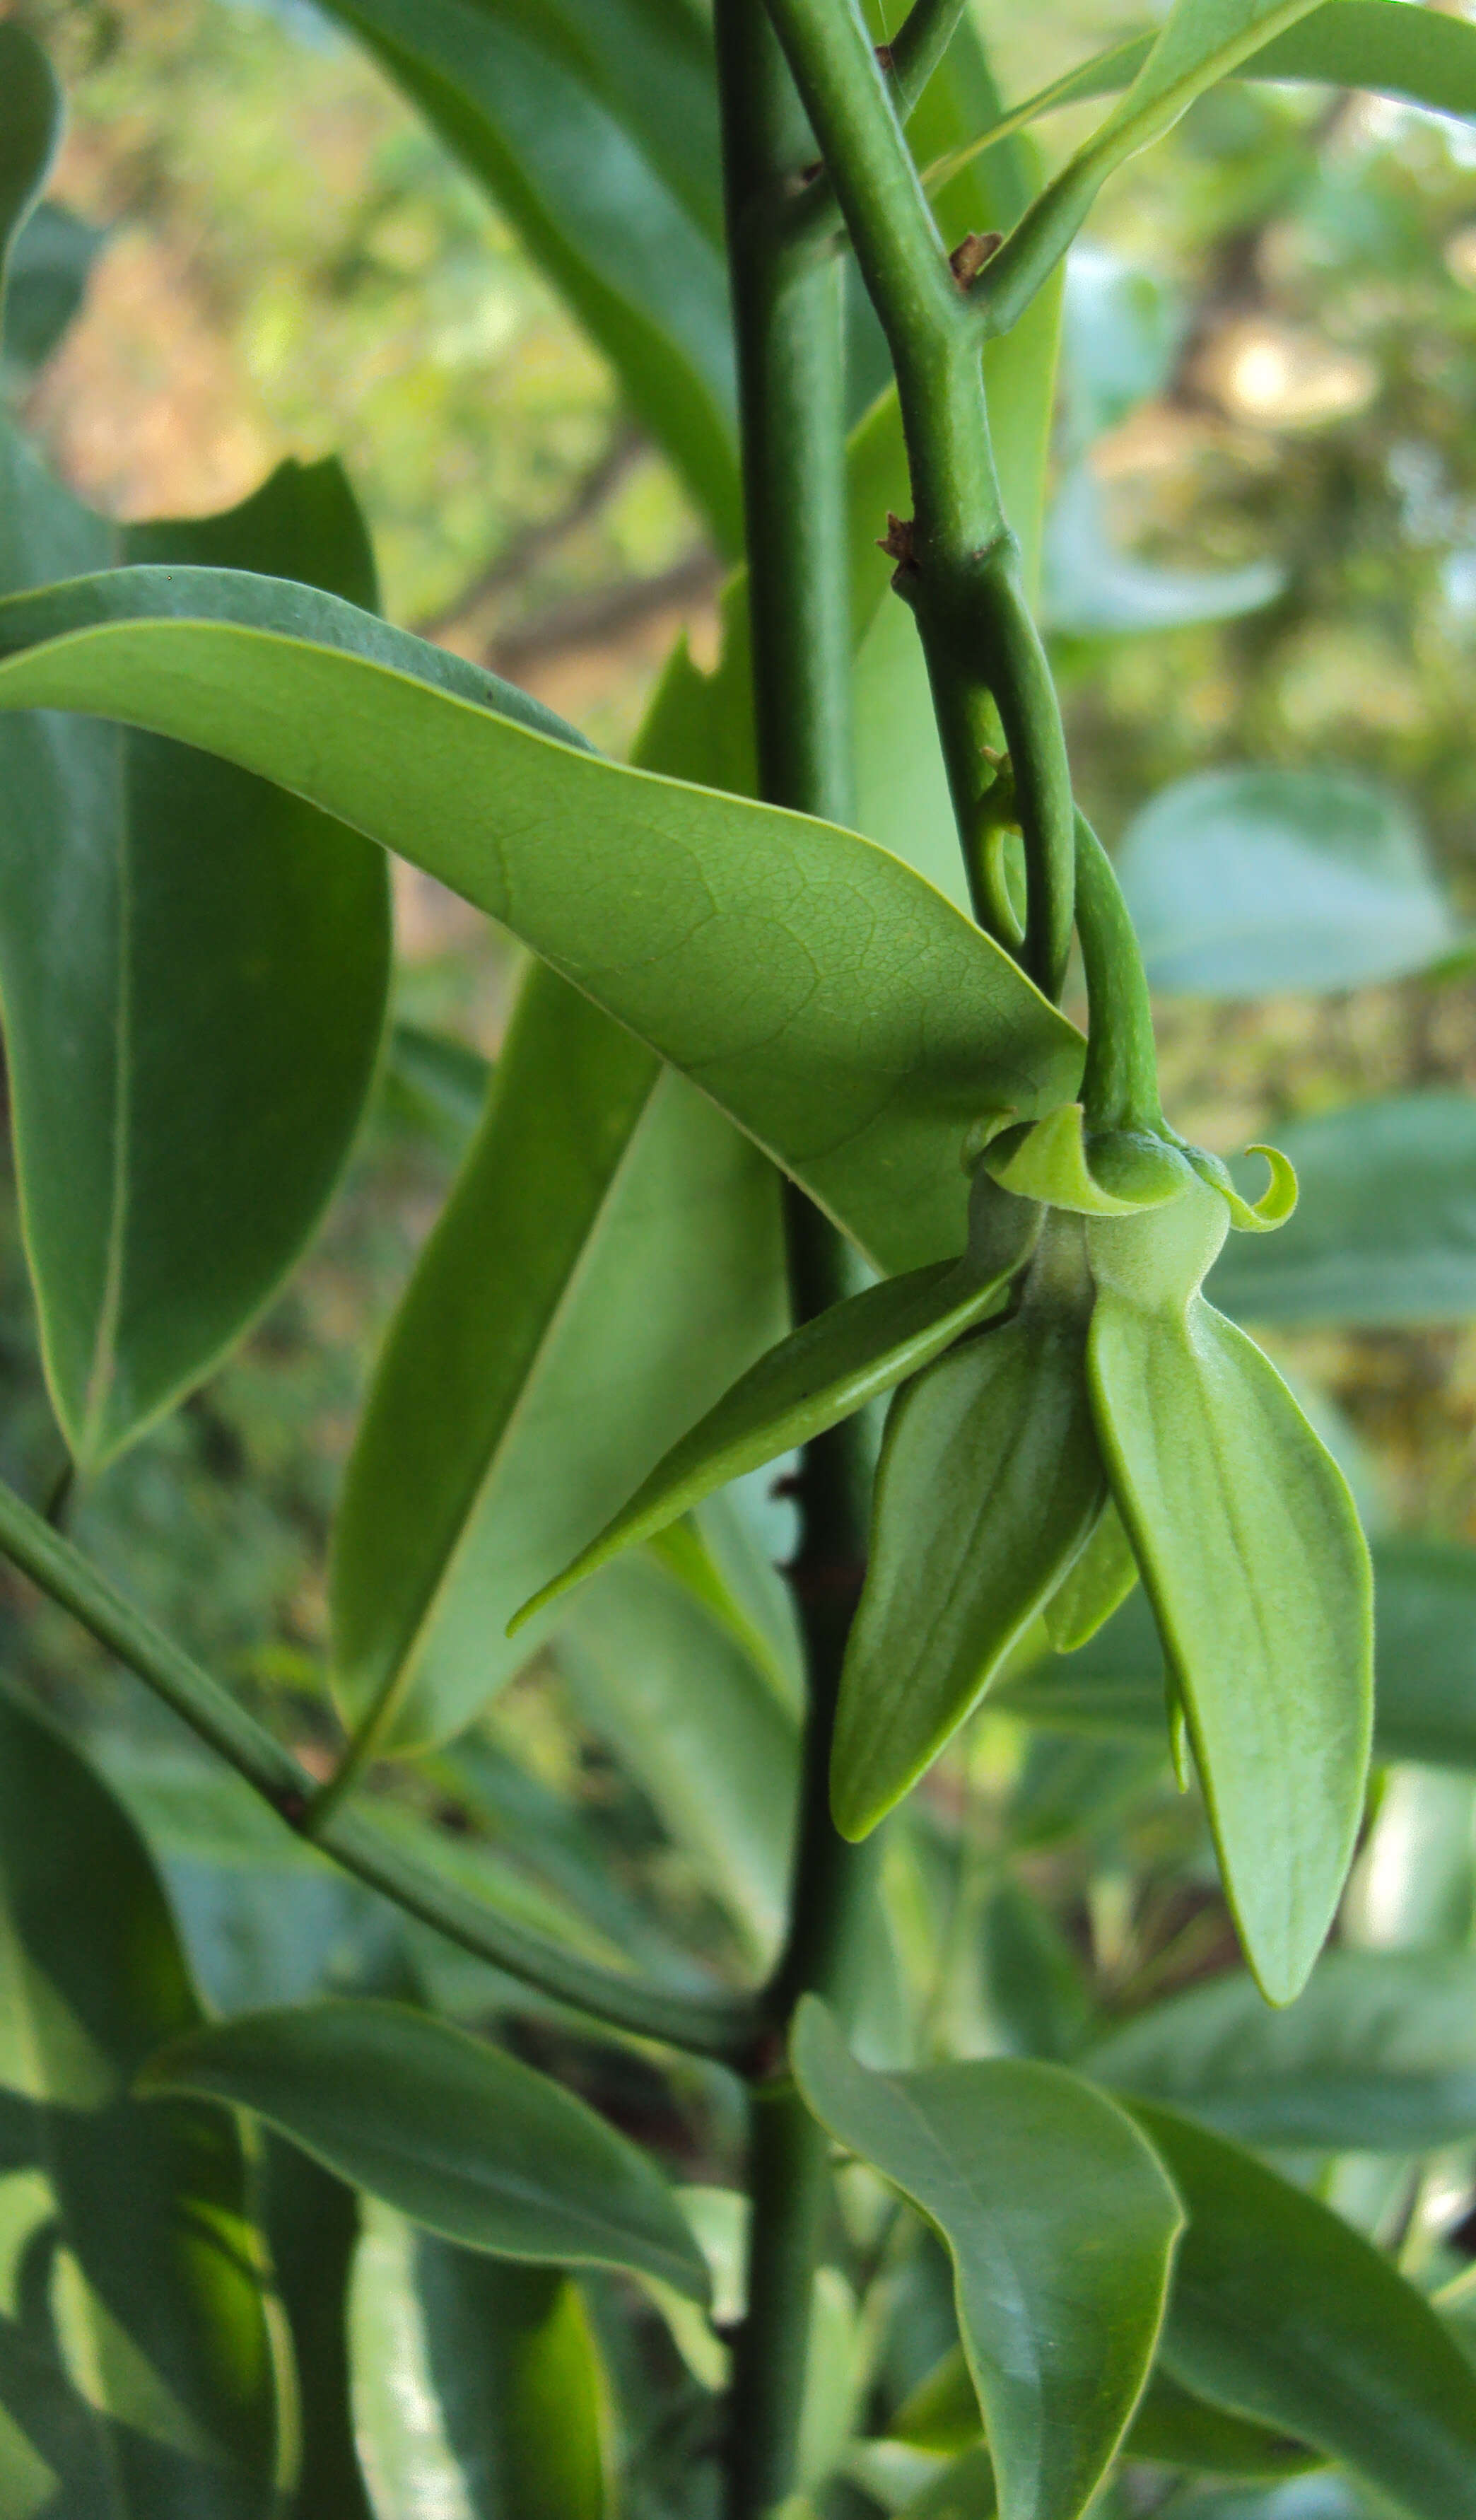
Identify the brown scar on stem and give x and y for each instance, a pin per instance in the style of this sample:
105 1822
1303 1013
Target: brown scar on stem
967 259
897 541
885 59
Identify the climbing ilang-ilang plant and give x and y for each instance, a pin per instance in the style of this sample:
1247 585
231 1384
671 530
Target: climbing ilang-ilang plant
752 1051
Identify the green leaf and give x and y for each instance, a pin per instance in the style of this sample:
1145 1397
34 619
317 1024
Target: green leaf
610 1258
1249 1546
1241 881
1098 1584
988 1488
1035 1996
1171 2425
435 1082
1280 2308
1385 1229
1060 2224
136 2360
593 124
1200 42
1092 590
446 2128
312 2226
822 1373
50 265
30 126
1377 2054
726 934
478 2391
699 1727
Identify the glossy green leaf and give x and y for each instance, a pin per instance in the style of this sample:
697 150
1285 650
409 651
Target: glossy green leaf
822 1373
1377 2054
1060 2224
478 2391
1249 1546
1098 1584
1385 1229
1280 2308
699 1727
137 2366
610 1258
1092 590
1241 881
988 1487
593 124
450 2131
1171 2425
728 935
312 2228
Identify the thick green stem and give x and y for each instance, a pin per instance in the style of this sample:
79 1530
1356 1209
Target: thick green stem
705 2028
788 321
959 563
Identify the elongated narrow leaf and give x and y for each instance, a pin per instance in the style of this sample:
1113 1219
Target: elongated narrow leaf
136 2360
448 2129
834 1005
1241 881
30 126
987 1490
1377 2054
593 124
1061 2225
1171 2425
1385 1229
611 1254
1249 1546
818 1374
312 2226
477 2386
699 1727
1098 1584
1201 41
1280 2308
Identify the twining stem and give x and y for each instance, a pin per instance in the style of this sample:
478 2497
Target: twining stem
789 324
705 2027
959 563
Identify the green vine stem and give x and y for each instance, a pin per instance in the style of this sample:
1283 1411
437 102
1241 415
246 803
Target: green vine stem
908 61
958 559
724 2029
1120 1083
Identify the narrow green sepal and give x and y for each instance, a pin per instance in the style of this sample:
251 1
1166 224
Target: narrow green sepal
1098 1584
1275 1202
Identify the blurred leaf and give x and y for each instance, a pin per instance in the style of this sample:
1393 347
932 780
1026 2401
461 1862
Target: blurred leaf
1092 590
1241 881
1385 1228
1015 2163
136 2360
436 1082
1279 2308
1171 2425
1379 2055
50 264
699 1728
724 933
1121 328
478 2393
593 124
312 2226
608 1260
448 2129
30 126
1034 1985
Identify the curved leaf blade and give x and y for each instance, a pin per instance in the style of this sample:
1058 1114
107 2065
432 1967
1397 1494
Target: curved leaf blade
449 2130
1377 2054
477 2384
136 2359
988 1488
29 130
1280 2308
1015 2163
1249 1547
1171 2425
728 935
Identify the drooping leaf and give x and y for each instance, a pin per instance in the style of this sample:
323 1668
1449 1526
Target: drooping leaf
1249 1546
448 2129
1061 2225
1377 2054
822 1373
987 1490
1092 590
1280 2308
1171 2425
610 1258
1241 881
726 934
1385 1229
697 1726
478 2391
593 124
1098 1584
312 2226
137 2367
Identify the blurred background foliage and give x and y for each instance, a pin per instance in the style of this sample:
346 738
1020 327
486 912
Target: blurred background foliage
1269 391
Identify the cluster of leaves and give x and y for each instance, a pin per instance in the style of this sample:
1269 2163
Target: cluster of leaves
1122 2273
